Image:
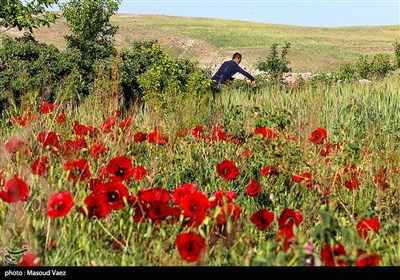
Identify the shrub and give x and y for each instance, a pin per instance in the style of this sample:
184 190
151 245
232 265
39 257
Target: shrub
135 62
380 65
363 67
397 53
31 66
346 71
149 74
274 64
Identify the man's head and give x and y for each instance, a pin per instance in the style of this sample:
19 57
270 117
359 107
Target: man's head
237 57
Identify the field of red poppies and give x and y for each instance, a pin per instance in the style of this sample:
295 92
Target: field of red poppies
280 177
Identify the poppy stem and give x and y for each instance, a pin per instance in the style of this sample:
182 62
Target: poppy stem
46 246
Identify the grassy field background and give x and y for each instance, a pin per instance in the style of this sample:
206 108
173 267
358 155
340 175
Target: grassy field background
211 41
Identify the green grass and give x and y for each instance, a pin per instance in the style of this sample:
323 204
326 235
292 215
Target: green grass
358 116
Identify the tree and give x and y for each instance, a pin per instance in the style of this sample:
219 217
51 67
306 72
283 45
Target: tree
90 19
92 33
26 14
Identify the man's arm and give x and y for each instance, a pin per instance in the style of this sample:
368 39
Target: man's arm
244 73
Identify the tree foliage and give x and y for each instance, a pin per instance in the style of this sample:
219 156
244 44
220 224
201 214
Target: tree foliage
90 19
26 15
92 33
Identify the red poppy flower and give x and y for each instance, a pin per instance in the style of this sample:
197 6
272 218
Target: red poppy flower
218 133
366 225
183 190
246 154
29 259
352 184
158 212
222 197
318 136
72 146
191 246
230 211
363 259
15 190
46 108
228 170
269 171
59 204
139 173
39 166
154 195
79 170
49 140
140 210
288 218
125 123
381 179
183 132
119 244
288 235
95 207
156 137
262 219
197 132
97 149
108 123
80 129
112 194
253 188
351 170
121 167
61 118
194 207
328 148
266 132
139 137
291 138
174 215
304 178
14 144
333 255
366 152
28 118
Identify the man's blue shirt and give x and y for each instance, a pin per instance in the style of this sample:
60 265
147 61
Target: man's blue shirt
227 70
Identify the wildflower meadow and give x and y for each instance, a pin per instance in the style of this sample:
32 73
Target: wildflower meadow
280 176
127 157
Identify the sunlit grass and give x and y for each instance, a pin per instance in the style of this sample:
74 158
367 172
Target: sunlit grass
360 117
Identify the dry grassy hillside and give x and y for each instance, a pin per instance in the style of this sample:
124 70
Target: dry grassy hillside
210 41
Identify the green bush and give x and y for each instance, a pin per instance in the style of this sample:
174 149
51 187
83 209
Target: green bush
380 65
31 66
135 62
363 67
274 64
149 74
346 72
396 46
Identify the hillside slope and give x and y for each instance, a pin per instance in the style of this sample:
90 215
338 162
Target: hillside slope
211 41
